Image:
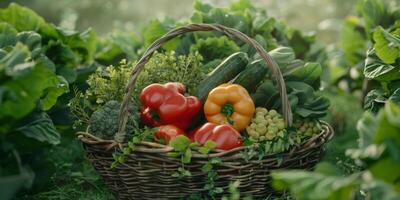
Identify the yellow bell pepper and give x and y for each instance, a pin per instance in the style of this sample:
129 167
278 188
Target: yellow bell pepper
229 103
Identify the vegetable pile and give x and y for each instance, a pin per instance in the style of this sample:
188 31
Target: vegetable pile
210 88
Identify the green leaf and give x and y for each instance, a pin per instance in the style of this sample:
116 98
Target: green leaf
180 143
300 43
327 168
310 73
208 146
16 63
388 128
61 54
392 111
7 29
241 5
395 97
373 12
69 74
381 168
378 70
282 56
83 45
40 127
206 167
352 40
155 29
313 185
23 19
20 93
374 100
117 43
265 94
31 39
380 190
187 157
50 99
7 35
212 48
366 128
387 46
201 6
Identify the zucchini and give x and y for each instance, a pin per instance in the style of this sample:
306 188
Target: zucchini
223 73
251 77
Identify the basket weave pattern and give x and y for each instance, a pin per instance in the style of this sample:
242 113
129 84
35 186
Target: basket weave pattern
146 172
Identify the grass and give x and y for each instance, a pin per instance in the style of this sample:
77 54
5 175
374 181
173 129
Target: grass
73 176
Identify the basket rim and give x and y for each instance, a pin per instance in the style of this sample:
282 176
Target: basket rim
153 147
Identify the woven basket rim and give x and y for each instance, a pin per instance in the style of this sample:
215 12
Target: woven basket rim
153 147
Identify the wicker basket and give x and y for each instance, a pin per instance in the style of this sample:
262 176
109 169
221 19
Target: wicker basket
146 172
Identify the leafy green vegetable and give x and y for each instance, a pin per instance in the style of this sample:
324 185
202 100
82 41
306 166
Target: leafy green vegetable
213 48
116 46
283 56
352 40
23 19
310 74
379 70
387 46
104 121
155 29
373 12
302 97
25 82
40 127
376 98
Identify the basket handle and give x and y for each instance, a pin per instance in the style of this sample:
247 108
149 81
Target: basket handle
232 33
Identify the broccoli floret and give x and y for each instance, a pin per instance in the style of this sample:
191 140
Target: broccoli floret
104 121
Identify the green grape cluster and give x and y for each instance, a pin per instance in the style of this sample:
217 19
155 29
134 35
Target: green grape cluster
307 127
266 125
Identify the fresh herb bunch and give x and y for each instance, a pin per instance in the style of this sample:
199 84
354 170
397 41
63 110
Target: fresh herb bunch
170 67
108 83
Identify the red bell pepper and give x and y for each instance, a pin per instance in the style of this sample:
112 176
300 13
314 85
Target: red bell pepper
165 104
167 133
225 136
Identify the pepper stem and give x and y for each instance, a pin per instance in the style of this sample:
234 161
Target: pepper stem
227 110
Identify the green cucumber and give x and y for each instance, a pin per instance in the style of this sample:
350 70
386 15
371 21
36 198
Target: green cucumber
251 77
223 73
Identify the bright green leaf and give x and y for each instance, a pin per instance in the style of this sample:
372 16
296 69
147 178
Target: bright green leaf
387 46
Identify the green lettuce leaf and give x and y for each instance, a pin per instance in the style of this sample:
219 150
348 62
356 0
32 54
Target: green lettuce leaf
39 126
387 46
25 82
21 18
377 69
352 40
